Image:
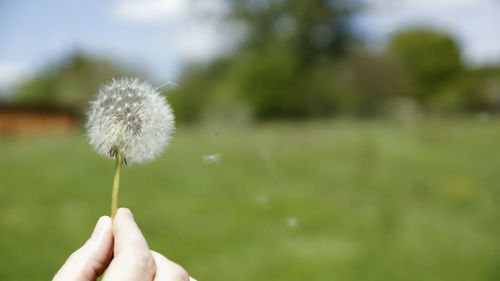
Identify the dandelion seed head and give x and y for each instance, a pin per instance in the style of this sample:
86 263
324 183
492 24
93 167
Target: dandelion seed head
132 117
291 222
213 158
262 199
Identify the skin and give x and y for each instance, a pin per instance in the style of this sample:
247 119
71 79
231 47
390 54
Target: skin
121 250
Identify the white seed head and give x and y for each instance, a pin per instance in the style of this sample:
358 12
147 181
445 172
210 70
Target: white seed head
132 117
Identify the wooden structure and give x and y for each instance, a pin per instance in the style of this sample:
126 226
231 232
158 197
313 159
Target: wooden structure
20 120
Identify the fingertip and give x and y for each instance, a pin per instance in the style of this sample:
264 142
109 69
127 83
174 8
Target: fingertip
104 220
132 259
126 232
169 270
102 224
122 218
124 212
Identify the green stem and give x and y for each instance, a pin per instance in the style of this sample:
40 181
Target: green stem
116 185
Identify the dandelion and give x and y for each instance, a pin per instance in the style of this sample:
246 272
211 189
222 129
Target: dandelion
213 158
291 222
129 121
262 199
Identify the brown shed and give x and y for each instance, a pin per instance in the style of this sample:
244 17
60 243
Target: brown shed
21 120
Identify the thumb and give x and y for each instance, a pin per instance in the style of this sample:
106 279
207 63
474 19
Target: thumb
132 259
90 261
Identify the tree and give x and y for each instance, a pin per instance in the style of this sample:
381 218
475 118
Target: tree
288 41
196 89
312 29
376 81
432 58
474 91
69 85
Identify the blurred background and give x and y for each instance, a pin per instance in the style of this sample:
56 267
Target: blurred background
316 140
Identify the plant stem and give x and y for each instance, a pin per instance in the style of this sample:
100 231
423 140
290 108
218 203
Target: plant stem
116 185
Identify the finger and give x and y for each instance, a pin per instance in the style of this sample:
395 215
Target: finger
127 234
90 261
132 258
167 270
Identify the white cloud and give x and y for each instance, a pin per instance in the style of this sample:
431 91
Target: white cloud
12 73
196 30
151 10
201 41
154 11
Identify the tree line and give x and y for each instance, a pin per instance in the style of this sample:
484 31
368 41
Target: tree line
300 60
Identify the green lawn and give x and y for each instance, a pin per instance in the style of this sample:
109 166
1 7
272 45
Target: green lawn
371 201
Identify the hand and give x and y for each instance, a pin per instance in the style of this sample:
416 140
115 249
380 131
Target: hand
132 260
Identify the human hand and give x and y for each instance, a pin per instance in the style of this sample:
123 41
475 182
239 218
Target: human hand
120 248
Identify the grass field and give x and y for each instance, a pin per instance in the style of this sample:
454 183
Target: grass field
315 201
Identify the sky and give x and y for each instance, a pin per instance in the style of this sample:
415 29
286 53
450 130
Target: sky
160 37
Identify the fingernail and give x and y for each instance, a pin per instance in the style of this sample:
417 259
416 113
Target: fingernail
127 212
98 227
